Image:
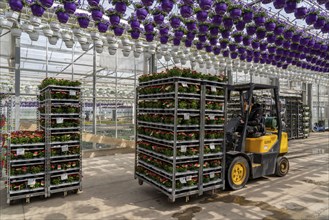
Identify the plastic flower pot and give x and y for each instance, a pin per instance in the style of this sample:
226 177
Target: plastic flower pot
203 28
120 7
167 5
164 31
158 18
255 44
251 30
134 24
70 7
186 11
147 2
62 17
319 23
16 5
115 20
96 15
83 22
228 23
220 8
300 12
279 4
118 31
248 16
102 27
164 39
270 26
202 16
246 41
311 18
290 6
141 13
225 33
175 22
217 19
238 38
148 28
240 25
202 38
37 10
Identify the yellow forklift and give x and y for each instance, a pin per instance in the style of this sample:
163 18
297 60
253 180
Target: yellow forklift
254 151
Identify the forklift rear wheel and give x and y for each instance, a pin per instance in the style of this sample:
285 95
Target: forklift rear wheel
238 173
282 166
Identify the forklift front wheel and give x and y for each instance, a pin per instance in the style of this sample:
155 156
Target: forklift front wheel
282 166
238 173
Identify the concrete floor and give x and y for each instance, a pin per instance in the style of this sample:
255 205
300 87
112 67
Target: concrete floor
111 192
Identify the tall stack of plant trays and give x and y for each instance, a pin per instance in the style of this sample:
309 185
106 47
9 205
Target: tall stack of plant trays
60 119
180 148
306 121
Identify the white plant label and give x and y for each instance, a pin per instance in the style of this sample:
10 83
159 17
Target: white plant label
213 89
65 148
20 151
184 84
73 93
212 117
31 182
212 146
182 180
183 149
64 176
188 178
212 175
59 120
186 116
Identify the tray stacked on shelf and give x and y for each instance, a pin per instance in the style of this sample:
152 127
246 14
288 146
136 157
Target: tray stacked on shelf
294 116
233 106
60 118
180 135
306 120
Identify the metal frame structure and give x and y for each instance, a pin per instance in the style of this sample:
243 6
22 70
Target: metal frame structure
177 145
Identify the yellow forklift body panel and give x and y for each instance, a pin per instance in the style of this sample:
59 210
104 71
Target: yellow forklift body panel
264 143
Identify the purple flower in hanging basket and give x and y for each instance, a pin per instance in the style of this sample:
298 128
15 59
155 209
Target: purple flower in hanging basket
317 46
190 25
47 3
235 10
262 61
203 28
247 14
114 16
202 38
286 44
216 50
320 22
288 33
220 7
70 6
216 19
240 25
290 6
103 26
324 48
302 56
237 37
164 39
256 53
325 28
118 30
149 37
205 4
234 55
190 35
296 37
312 16
164 30
83 19
16 5
147 3
179 33
208 48
263 46
201 16
268 61
186 11
141 12
255 44
271 56
279 29
266 1
225 33
264 55
199 46
175 21
224 43
300 12
270 24
37 9
93 2
167 5
96 12
188 43
294 46
228 22
246 40
232 46
279 41
214 30
261 33
213 41
270 37
260 18
135 33
241 50
176 41
279 4
311 42
251 29
327 5
250 52
158 15
62 16
249 59
243 57
148 26
134 24
226 53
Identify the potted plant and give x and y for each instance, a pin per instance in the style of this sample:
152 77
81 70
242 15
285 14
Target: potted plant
255 43
53 39
186 10
17 5
224 43
141 12
270 24
214 30
148 26
279 4
321 21
66 35
201 15
203 27
270 37
300 12
225 32
213 40
312 16
118 30
232 46
247 14
175 21
288 33
221 6
96 12
228 22
235 10
102 25
150 36
279 29
93 2
114 16
69 43
158 15
251 29
134 33
167 5
69 5
246 40
121 5
291 5
238 36
83 19
47 31
190 24
240 25
62 15
260 18
37 9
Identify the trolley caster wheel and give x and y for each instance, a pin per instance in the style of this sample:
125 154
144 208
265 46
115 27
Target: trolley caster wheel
140 182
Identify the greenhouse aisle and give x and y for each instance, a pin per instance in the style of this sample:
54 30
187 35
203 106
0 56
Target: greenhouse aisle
111 192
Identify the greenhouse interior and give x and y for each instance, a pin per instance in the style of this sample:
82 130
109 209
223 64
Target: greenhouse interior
153 89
